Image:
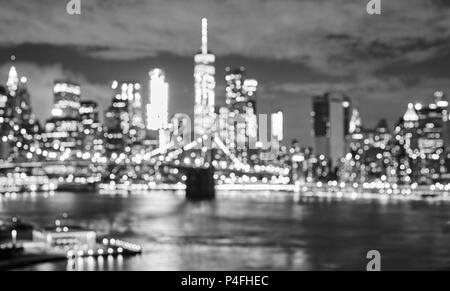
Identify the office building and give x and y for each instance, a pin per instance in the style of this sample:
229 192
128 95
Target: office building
331 124
204 76
158 107
278 126
62 130
241 104
91 128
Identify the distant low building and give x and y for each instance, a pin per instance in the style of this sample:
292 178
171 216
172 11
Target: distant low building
66 237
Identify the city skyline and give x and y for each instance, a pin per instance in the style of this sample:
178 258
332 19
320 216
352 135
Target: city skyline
289 71
150 112
224 135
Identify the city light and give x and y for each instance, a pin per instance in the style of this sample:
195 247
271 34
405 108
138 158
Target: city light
74 149
277 125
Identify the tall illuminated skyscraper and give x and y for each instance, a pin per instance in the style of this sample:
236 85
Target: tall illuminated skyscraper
158 107
204 86
18 111
18 100
277 126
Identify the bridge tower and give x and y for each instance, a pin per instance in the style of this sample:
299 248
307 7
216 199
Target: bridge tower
200 184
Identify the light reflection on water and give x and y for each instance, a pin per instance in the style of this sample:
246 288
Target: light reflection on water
250 232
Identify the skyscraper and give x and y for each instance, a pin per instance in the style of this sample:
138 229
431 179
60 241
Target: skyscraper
136 111
235 125
124 119
67 96
3 104
158 107
431 141
17 103
278 126
407 152
205 84
23 114
355 122
235 85
409 130
117 119
22 124
62 129
4 124
356 135
6 99
432 133
331 124
6 115
225 126
13 81
250 89
90 127
241 104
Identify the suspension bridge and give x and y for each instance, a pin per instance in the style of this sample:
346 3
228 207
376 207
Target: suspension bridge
202 163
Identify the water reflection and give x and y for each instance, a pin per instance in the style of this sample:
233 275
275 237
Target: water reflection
278 232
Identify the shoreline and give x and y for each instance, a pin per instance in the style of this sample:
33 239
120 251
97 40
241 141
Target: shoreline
266 191
29 260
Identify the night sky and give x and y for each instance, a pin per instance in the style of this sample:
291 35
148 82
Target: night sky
295 48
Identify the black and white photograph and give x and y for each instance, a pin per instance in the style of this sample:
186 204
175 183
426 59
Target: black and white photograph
224 136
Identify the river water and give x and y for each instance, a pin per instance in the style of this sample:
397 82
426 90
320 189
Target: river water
249 231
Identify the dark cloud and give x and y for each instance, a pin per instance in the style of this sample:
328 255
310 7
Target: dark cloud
320 33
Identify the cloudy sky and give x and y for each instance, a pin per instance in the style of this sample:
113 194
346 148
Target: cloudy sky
295 48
